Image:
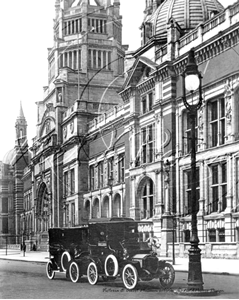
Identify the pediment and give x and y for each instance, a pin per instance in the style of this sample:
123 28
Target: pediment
140 71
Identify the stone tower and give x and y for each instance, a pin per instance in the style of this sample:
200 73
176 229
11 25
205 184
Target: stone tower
19 162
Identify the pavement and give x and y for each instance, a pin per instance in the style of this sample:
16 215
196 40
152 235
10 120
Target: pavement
209 266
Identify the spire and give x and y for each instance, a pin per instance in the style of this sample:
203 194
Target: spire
21 114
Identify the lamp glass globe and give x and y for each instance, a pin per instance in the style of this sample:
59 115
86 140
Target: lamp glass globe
192 82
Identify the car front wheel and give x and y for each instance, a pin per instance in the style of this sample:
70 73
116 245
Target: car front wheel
168 276
74 272
92 273
49 270
130 276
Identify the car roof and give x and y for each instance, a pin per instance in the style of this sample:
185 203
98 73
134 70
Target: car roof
111 220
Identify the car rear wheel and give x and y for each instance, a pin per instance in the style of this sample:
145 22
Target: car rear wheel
74 272
167 279
65 260
130 276
92 273
111 266
49 270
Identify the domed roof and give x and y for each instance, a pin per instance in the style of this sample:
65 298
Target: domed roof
187 13
8 157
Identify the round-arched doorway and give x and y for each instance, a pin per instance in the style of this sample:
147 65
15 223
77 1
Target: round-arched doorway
43 210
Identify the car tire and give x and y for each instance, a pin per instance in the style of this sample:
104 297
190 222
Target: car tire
167 280
92 273
65 260
74 272
111 266
49 270
130 276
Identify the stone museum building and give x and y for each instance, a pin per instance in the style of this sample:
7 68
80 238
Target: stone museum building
113 136
12 185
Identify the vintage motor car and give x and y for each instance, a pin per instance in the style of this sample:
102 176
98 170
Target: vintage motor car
65 246
115 250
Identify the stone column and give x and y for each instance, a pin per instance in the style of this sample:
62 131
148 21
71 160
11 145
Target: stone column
201 212
167 218
228 210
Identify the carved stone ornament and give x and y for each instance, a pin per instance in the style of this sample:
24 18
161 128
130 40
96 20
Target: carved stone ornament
157 118
228 88
72 127
200 118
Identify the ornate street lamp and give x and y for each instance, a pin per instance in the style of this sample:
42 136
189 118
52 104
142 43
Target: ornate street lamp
192 84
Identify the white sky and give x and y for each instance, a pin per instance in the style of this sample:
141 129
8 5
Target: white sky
26 33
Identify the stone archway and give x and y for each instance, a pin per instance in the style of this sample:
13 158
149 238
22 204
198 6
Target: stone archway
146 198
117 205
87 210
96 208
106 207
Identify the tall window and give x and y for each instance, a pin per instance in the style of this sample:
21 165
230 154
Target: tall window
67 215
218 187
69 182
111 168
148 141
212 235
98 59
5 225
72 181
97 25
147 208
147 103
188 191
187 135
121 167
92 178
72 214
100 174
4 205
66 184
217 122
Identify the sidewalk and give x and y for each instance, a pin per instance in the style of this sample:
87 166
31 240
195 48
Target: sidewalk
213 266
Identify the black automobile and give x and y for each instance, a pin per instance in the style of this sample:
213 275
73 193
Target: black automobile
115 250
68 250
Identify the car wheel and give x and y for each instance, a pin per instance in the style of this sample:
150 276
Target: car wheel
111 266
65 260
49 270
92 273
167 279
130 276
74 272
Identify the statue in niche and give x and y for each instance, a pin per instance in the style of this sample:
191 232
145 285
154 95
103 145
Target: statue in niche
48 126
59 96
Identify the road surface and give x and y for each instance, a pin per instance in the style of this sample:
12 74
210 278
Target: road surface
27 280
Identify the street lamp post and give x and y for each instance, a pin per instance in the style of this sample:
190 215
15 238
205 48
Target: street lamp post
192 82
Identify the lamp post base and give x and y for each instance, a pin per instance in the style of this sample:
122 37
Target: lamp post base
195 280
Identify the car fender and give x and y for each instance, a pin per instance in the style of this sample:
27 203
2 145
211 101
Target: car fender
123 263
